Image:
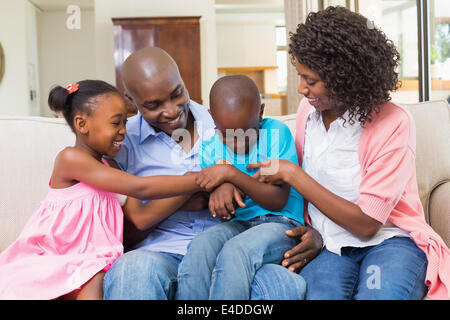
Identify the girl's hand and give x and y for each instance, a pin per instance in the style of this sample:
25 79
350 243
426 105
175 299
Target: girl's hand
224 200
273 171
213 176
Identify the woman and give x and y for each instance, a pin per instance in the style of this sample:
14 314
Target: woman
357 151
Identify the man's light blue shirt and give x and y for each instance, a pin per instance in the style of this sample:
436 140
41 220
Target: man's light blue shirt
146 152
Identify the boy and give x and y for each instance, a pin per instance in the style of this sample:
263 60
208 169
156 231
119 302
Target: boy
222 261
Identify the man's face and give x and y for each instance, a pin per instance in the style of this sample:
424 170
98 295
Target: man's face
163 101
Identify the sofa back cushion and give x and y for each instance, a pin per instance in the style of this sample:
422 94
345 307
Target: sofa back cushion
432 121
29 145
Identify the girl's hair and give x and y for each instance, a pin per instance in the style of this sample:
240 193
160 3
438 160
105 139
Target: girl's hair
354 59
81 100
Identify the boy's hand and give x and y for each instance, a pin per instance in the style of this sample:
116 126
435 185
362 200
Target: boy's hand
213 176
274 171
223 200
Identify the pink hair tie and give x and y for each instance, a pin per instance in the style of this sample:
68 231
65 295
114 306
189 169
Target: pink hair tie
71 88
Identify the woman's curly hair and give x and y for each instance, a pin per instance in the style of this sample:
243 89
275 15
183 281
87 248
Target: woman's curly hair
354 59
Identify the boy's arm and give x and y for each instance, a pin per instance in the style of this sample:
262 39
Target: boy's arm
270 197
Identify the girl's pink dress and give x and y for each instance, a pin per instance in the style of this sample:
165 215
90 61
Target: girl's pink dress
74 233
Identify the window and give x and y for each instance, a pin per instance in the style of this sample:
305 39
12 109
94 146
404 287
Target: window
439 17
420 29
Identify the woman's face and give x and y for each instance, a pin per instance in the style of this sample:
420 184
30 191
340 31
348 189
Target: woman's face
313 88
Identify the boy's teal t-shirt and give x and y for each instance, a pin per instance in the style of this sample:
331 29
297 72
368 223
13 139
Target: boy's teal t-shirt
274 142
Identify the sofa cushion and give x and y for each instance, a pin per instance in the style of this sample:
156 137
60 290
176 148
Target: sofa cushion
432 121
440 211
29 146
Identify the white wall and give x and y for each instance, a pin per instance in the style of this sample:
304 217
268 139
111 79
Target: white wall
105 10
65 55
32 59
246 44
248 39
14 34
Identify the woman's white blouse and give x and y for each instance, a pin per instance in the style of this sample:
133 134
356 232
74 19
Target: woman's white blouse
331 158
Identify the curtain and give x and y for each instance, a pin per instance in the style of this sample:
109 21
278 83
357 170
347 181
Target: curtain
295 12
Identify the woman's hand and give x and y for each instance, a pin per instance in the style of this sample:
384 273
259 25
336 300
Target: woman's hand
224 200
273 171
309 247
213 176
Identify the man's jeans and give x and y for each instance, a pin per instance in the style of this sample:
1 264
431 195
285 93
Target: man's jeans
144 274
393 270
222 261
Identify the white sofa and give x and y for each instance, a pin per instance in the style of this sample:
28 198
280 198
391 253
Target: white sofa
29 145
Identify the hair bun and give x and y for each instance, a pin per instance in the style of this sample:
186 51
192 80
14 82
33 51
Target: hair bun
58 98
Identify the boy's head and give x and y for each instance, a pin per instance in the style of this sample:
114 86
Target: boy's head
236 108
152 80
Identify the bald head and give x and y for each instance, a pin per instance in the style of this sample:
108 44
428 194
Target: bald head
149 64
233 93
235 103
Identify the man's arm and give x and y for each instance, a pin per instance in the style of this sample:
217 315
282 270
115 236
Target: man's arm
149 215
141 219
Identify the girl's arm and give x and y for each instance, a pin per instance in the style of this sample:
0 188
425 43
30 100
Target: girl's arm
344 213
74 164
268 196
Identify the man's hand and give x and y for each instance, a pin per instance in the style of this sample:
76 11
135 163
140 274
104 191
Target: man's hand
198 201
224 200
309 247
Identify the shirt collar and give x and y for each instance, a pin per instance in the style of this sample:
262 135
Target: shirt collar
342 122
201 116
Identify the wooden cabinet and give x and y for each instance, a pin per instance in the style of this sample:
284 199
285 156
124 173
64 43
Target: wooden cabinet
179 36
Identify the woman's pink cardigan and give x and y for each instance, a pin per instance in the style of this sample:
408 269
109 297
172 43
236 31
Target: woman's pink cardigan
388 189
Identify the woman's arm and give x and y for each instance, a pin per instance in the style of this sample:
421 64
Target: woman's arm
343 212
268 196
74 164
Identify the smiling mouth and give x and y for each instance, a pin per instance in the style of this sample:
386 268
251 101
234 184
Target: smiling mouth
117 144
176 120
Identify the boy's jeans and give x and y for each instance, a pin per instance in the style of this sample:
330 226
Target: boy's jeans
142 274
222 261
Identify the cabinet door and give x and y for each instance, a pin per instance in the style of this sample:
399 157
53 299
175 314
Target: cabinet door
179 36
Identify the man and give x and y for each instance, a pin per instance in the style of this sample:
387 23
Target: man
153 82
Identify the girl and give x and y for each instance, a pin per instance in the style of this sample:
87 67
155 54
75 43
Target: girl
75 234
357 151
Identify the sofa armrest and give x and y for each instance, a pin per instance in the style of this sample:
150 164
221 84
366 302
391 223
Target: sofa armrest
439 206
